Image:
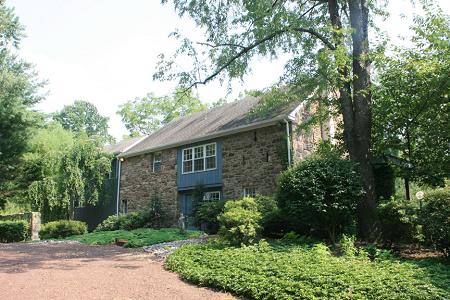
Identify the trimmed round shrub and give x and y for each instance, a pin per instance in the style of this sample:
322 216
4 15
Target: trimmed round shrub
399 221
273 222
62 229
319 195
435 219
13 231
239 223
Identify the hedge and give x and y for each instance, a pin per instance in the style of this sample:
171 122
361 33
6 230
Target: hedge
62 229
13 231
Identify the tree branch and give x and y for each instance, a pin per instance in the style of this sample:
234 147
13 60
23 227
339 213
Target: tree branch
220 45
246 49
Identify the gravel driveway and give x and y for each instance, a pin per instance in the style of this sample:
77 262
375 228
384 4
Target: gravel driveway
77 271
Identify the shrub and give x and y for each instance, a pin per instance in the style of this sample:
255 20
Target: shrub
206 215
152 217
273 222
13 231
320 194
239 223
398 221
62 229
435 219
109 224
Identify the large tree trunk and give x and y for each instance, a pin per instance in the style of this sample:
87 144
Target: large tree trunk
362 97
356 107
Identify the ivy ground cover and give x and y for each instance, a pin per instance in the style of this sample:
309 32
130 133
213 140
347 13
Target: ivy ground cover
280 271
136 238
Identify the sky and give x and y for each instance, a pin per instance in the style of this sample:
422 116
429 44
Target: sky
105 51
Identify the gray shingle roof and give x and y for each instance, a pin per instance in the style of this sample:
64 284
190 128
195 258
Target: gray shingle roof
210 123
122 145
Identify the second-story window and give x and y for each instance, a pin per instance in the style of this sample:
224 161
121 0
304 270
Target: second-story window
157 160
199 158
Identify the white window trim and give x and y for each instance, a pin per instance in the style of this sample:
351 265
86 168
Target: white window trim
157 161
211 192
251 196
204 158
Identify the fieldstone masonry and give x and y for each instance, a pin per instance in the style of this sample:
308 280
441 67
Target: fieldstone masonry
139 184
251 159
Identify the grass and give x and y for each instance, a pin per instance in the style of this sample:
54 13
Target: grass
136 238
282 271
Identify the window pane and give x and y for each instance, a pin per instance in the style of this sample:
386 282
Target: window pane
198 152
156 166
187 166
187 154
211 162
211 150
250 192
212 196
157 156
199 165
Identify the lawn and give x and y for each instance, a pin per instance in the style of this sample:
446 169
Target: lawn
136 238
282 271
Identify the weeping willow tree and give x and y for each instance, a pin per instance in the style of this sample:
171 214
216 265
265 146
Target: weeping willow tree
63 172
327 42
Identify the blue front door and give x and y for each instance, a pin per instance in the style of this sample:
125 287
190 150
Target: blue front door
187 211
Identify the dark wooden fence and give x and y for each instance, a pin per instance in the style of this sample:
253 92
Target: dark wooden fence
106 206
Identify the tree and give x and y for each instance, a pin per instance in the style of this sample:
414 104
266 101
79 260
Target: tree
83 116
328 42
411 105
147 114
18 93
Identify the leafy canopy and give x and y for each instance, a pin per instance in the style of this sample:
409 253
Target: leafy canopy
83 116
411 104
147 114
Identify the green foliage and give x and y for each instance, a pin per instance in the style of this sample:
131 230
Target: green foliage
273 222
399 221
411 104
83 169
136 238
296 271
13 231
19 92
145 115
384 180
109 224
206 215
435 219
239 223
83 117
152 217
347 245
62 229
320 194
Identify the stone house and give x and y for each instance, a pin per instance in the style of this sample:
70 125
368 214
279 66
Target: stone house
229 150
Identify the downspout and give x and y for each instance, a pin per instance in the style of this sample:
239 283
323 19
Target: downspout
288 134
119 163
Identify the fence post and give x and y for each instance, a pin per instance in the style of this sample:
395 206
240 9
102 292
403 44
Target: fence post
35 225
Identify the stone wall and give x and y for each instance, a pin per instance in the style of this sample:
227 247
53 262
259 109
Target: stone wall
253 159
304 142
139 184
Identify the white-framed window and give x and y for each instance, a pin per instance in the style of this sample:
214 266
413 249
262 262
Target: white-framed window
199 158
157 161
250 192
211 196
